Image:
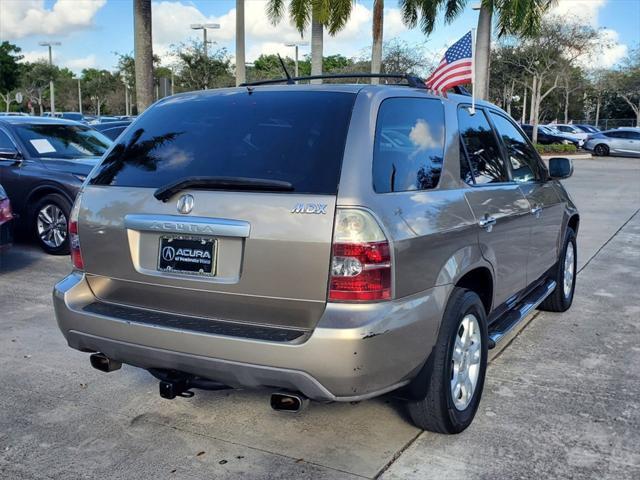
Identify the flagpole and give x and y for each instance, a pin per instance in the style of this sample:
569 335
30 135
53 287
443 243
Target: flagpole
473 71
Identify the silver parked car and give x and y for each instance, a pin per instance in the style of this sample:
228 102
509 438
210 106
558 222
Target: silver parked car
621 141
328 242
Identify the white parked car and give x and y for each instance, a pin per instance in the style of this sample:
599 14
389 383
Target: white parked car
571 130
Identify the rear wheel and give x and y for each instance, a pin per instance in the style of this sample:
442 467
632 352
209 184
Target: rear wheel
50 221
565 276
601 150
456 368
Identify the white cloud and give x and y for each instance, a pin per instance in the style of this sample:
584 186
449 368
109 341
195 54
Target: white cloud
172 20
36 55
582 10
21 18
607 51
79 64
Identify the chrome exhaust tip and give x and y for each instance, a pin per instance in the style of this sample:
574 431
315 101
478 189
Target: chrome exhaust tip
101 362
289 402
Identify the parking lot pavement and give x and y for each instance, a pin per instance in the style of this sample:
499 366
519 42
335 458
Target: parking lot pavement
560 401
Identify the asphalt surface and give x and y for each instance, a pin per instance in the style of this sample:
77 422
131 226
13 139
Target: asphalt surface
561 401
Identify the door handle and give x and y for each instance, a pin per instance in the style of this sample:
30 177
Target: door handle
536 210
487 222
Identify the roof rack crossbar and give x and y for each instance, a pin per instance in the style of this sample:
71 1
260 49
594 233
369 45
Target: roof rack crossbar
412 80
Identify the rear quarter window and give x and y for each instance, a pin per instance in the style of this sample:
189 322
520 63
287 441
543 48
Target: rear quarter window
409 145
292 136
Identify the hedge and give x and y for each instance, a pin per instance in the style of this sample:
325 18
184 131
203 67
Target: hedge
556 148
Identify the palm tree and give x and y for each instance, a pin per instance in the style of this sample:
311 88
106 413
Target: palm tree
332 14
240 63
143 53
376 49
517 17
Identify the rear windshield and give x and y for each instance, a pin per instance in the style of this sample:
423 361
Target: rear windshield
295 137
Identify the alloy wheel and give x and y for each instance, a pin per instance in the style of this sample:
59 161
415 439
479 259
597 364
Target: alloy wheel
465 359
52 226
569 270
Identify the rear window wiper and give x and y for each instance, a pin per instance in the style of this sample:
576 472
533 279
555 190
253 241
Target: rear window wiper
222 183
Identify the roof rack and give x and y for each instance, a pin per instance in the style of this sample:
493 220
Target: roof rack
412 80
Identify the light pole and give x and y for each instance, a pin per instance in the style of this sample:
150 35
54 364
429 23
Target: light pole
52 93
204 27
79 97
296 45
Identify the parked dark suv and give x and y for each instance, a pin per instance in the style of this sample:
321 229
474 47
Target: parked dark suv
43 162
331 241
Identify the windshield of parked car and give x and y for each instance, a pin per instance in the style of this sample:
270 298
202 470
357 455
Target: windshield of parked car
285 136
62 141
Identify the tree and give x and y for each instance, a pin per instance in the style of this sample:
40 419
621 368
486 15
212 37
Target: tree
35 81
515 17
376 48
402 57
197 71
545 58
143 53
241 75
98 84
10 68
333 14
627 82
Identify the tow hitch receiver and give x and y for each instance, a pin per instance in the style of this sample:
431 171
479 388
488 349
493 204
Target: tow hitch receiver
179 384
175 388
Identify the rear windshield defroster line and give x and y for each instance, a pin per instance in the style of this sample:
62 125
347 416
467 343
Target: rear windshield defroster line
273 137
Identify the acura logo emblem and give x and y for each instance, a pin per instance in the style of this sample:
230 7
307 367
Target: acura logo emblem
168 253
185 203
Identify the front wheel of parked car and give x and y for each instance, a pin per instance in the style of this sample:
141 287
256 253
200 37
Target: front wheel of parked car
601 150
455 371
565 276
50 219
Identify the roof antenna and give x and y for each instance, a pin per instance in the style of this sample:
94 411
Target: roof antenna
286 72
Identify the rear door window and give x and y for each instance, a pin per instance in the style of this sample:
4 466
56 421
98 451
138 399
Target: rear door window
5 141
409 145
522 157
480 149
291 136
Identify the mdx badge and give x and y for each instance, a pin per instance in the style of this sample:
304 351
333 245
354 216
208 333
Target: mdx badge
185 203
312 208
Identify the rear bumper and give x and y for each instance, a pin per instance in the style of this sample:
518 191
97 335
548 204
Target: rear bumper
355 352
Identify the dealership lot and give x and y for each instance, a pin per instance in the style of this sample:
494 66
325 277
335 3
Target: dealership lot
561 401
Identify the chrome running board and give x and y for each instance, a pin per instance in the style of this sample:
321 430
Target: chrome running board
507 326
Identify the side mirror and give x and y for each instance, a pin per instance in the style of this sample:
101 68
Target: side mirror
560 168
10 154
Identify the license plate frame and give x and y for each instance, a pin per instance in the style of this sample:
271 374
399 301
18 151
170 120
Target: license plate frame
167 262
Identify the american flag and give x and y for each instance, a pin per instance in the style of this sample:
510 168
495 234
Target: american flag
456 68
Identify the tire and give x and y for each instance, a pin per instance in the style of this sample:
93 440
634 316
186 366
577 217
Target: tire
601 150
49 222
562 297
438 410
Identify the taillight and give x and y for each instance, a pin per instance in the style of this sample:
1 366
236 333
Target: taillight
74 238
5 211
361 261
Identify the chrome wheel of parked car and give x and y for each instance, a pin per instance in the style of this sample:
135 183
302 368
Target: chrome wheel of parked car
52 226
465 361
49 219
569 270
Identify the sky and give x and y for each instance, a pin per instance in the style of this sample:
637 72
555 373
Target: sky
91 32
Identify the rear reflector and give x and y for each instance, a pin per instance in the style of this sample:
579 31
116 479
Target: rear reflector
361 262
